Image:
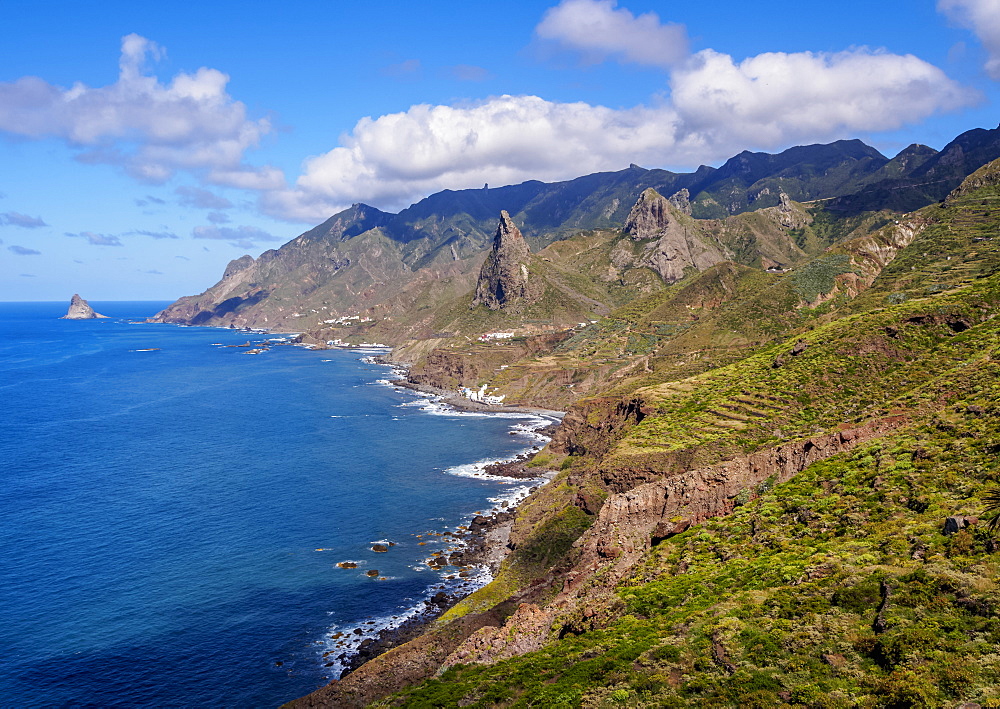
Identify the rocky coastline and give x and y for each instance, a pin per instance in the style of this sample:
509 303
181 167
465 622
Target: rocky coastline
486 547
485 542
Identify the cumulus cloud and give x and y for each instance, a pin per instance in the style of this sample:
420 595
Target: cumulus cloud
777 98
404 156
201 199
21 220
95 239
148 128
218 217
23 250
246 237
983 18
599 30
148 200
717 107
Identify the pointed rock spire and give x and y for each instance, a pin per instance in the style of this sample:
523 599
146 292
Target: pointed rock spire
504 275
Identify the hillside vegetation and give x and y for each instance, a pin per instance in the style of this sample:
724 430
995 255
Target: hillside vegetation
755 475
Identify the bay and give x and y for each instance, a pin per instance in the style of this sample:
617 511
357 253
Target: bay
172 509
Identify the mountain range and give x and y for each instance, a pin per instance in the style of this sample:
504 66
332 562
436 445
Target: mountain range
327 272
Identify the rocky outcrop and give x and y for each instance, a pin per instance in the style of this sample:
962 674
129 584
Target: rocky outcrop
986 176
677 246
79 309
504 277
526 630
593 426
628 522
681 201
649 217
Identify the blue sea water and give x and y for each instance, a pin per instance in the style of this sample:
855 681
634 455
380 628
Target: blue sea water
171 520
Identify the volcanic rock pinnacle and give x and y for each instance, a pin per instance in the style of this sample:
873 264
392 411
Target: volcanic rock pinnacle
504 275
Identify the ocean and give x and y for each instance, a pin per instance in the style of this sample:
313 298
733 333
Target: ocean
173 509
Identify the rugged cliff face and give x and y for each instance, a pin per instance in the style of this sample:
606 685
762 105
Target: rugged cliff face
504 277
678 245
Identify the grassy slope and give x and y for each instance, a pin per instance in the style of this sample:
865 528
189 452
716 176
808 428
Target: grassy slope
777 603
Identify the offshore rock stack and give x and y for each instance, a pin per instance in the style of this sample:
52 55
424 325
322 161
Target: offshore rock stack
79 309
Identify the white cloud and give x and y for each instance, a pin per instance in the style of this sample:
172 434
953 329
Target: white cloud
983 18
717 107
599 30
148 128
154 234
23 250
774 99
201 199
401 157
246 237
95 239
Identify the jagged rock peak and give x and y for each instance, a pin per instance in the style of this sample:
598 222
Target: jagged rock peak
504 275
649 216
79 309
508 236
238 264
681 201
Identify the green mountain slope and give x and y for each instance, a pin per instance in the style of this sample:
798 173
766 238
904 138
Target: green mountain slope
768 532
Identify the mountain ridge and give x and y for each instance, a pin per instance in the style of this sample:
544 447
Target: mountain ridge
445 229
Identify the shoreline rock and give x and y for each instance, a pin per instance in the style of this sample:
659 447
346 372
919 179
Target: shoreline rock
486 547
486 539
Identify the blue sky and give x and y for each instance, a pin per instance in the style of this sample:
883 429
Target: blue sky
144 145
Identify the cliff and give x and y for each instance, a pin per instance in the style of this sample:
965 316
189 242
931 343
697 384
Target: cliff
79 309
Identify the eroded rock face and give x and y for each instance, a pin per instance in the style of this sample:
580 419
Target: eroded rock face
649 217
526 630
504 275
676 247
79 309
681 201
628 521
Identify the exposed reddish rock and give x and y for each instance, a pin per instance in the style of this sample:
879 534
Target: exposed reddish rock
629 521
